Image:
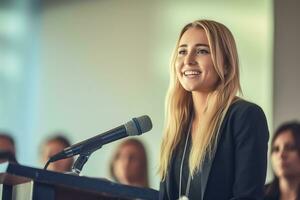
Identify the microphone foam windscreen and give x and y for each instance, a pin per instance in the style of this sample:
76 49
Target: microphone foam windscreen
138 125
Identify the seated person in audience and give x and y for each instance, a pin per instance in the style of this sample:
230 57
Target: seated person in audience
129 164
50 147
285 159
7 148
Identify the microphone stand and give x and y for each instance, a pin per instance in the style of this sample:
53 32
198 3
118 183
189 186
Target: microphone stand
79 163
81 160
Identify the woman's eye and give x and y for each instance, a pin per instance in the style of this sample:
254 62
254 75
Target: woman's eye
182 52
275 149
290 147
202 51
287 148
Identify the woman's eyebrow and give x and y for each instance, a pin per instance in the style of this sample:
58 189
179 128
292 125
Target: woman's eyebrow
197 45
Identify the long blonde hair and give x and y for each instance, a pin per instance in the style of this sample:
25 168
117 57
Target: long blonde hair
179 102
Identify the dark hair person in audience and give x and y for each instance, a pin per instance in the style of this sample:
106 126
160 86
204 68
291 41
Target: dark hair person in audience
7 148
129 164
215 143
285 159
50 147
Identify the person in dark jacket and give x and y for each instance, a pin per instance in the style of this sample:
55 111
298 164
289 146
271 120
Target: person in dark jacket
285 159
215 144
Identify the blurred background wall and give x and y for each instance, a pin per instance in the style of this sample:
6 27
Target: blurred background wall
19 57
286 61
84 67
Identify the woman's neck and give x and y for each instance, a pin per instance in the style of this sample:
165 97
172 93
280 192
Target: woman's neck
199 104
288 188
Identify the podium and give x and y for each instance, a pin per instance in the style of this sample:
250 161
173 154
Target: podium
27 183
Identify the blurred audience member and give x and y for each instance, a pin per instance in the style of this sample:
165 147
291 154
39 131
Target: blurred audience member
129 164
50 147
7 148
285 159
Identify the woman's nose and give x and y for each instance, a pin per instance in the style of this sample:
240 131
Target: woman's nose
283 154
190 59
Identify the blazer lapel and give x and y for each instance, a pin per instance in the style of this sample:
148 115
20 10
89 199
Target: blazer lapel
208 162
168 183
164 188
205 173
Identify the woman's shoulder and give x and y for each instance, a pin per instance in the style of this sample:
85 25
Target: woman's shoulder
271 191
242 107
245 115
239 104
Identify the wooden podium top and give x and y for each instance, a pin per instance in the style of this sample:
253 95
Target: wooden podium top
14 174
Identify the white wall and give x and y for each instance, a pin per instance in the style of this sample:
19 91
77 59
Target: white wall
97 74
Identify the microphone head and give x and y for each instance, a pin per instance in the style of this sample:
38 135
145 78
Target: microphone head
138 125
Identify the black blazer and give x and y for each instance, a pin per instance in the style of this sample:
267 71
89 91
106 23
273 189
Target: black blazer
272 190
238 169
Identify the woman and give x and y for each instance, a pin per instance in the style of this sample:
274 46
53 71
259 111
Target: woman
285 157
52 146
129 164
215 144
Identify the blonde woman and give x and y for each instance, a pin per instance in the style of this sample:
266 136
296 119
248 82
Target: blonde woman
215 143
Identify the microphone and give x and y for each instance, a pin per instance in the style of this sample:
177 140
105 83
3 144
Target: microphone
136 126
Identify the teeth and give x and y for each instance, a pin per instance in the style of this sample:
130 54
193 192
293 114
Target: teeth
191 73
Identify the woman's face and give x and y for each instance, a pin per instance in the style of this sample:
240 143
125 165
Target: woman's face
285 157
128 166
51 148
194 67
